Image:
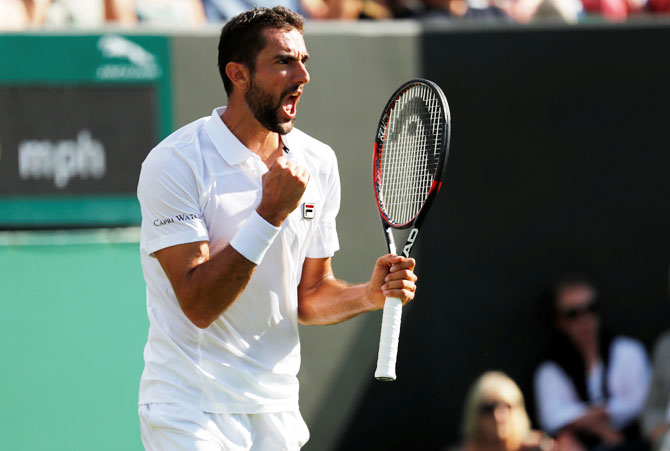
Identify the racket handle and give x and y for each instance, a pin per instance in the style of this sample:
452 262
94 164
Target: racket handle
388 340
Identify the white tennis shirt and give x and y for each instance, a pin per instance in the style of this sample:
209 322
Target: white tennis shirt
201 184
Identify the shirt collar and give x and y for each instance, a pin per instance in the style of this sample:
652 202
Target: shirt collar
227 144
229 147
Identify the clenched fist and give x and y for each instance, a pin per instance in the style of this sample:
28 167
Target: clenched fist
283 187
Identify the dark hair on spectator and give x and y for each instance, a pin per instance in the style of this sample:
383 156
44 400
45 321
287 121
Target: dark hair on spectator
242 36
569 281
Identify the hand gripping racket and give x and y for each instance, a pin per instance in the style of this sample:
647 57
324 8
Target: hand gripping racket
409 158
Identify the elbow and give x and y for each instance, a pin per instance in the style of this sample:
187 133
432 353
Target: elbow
197 318
302 317
305 321
305 314
194 312
200 323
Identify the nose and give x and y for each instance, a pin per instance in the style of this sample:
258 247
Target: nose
501 412
302 75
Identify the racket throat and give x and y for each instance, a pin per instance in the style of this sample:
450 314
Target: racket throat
410 242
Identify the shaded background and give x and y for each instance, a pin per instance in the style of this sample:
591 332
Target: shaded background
558 162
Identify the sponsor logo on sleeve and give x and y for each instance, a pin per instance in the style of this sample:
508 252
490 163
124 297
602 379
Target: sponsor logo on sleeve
184 217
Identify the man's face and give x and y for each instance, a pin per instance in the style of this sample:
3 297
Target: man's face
577 314
278 80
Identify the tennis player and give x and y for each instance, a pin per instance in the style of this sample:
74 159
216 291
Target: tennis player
238 231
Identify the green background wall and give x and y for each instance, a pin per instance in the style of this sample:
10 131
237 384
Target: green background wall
72 328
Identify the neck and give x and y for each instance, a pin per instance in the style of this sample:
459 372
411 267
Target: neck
246 128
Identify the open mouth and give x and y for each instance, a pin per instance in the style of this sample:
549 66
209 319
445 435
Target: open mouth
290 104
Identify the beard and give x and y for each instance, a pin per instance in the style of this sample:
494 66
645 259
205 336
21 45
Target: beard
266 109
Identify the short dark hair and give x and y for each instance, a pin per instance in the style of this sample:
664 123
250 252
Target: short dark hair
242 36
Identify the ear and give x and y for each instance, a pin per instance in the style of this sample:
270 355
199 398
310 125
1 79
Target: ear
239 75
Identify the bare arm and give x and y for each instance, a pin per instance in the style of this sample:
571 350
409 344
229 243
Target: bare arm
322 299
206 285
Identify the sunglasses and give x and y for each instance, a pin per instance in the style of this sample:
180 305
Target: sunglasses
488 408
574 313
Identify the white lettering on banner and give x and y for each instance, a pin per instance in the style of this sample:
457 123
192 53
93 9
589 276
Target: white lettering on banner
62 160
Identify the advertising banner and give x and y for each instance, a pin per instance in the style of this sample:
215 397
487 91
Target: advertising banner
78 114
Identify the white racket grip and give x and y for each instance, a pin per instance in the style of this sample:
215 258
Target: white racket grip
388 340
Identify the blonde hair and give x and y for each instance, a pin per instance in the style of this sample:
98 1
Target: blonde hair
497 385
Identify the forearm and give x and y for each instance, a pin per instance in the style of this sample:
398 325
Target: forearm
322 299
212 286
332 301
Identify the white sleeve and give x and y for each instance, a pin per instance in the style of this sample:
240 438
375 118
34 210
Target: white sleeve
629 379
324 242
170 202
557 401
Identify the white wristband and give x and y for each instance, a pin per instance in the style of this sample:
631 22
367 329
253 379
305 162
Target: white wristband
253 240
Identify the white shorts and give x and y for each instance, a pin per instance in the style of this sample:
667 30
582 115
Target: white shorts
168 427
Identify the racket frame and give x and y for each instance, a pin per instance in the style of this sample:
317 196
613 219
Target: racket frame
393 308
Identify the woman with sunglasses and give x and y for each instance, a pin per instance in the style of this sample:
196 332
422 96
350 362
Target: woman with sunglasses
495 418
592 386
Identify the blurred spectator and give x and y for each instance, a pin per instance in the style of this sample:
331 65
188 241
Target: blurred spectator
403 9
659 6
179 13
19 14
495 417
221 10
591 389
656 414
358 9
75 13
524 11
614 10
15 14
451 10
442 9
120 11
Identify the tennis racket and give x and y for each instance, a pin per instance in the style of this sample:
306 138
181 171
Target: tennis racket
409 158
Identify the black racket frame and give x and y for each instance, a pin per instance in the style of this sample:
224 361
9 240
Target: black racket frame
438 174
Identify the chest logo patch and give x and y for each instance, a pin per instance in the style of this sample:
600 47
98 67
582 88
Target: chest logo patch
308 210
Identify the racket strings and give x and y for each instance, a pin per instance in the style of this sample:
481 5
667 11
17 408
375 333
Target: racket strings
410 153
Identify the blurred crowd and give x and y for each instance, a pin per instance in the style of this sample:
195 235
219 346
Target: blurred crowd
26 14
594 389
